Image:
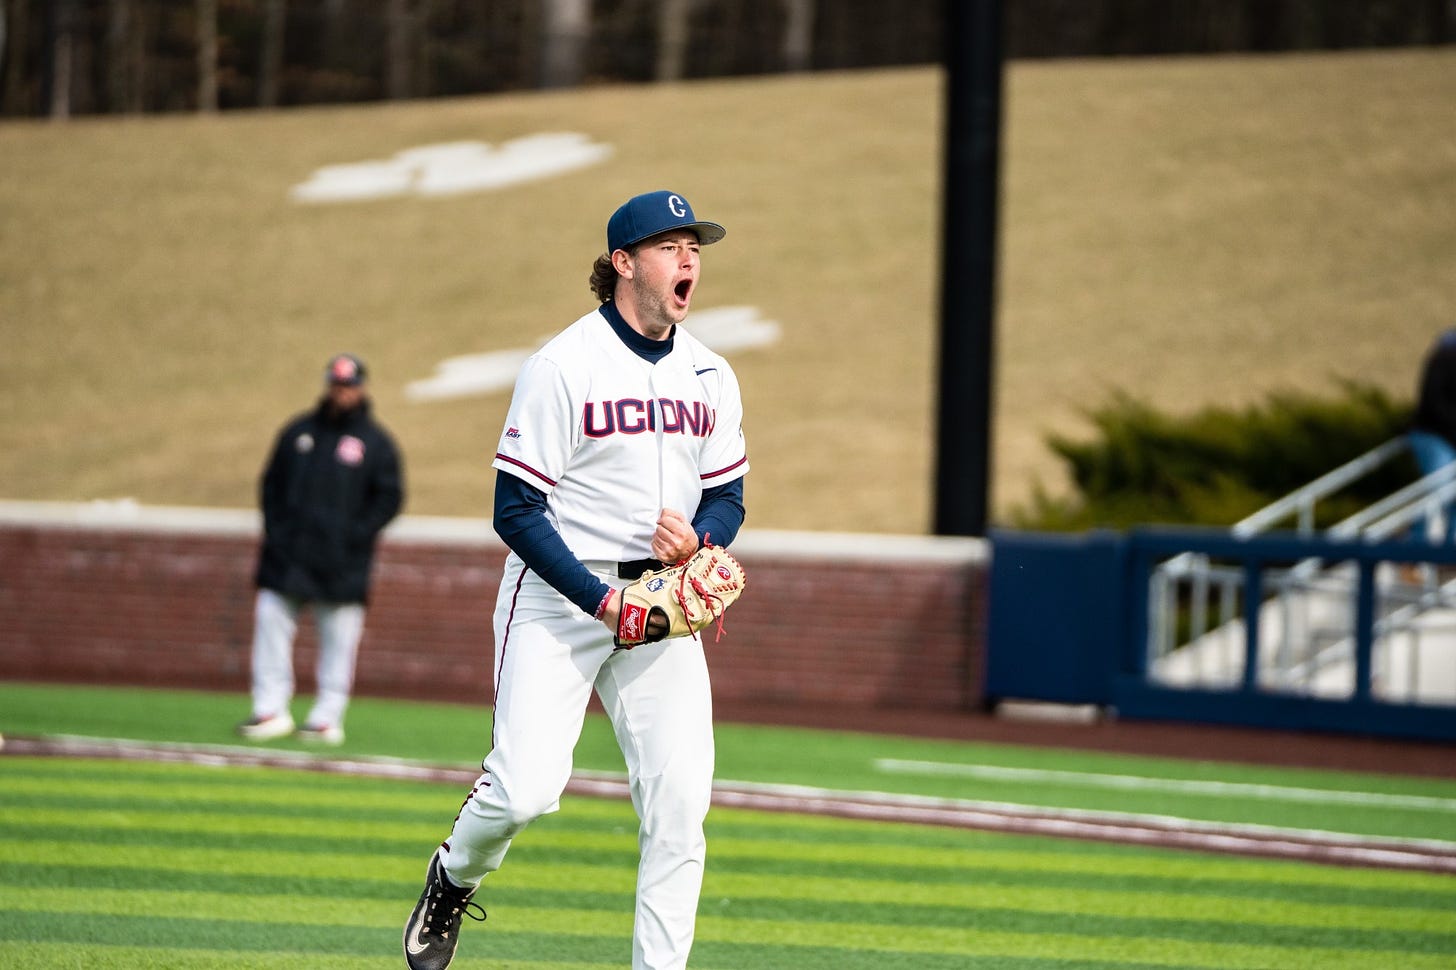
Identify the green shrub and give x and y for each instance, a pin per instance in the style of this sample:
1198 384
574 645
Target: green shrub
1218 465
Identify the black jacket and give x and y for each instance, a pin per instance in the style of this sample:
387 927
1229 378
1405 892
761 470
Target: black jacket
332 483
1436 396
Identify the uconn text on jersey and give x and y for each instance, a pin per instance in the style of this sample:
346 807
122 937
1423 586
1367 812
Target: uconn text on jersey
631 416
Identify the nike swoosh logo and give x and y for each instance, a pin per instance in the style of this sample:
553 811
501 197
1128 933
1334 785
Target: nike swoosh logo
705 370
412 944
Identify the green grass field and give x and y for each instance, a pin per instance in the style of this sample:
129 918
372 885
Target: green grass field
1189 230
118 864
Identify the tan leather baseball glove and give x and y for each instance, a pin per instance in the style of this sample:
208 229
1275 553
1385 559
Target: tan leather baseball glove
686 598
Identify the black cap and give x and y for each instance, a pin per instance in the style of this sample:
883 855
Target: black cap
346 370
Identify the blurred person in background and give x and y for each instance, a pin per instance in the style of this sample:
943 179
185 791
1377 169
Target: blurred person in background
333 482
1433 430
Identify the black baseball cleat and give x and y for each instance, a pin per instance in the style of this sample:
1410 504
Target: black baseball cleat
433 929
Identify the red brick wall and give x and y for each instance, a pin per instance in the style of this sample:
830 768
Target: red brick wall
172 606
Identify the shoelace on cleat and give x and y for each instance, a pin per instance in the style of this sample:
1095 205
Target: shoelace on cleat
462 907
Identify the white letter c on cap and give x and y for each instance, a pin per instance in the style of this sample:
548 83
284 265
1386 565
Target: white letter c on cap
677 206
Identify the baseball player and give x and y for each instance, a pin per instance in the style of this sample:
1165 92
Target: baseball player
622 450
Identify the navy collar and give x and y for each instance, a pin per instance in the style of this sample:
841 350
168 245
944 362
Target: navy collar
645 347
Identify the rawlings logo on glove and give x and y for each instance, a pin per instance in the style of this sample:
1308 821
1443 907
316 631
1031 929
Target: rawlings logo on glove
686 597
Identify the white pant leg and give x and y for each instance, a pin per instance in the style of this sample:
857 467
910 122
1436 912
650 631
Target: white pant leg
661 706
275 623
547 656
340 627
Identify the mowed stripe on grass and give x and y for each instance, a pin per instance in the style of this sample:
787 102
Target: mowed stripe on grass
1215 789
209 864
1134 828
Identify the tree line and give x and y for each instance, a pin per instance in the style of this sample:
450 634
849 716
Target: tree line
60 58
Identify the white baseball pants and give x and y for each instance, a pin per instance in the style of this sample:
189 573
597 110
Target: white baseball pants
275 626
549 658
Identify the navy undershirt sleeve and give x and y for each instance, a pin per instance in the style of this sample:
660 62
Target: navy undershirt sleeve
520 520
720 513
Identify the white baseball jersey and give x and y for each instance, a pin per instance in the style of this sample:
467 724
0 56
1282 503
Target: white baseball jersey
613 439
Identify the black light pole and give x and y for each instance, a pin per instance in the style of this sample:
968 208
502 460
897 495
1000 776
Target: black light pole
973 63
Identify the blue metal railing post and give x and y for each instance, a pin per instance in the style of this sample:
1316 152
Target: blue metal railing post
1253 597
1364 629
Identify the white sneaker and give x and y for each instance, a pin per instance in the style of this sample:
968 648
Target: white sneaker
266 727
321 734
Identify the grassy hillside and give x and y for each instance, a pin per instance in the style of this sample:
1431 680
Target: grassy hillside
1190 230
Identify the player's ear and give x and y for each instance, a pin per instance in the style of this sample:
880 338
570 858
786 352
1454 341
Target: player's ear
622 263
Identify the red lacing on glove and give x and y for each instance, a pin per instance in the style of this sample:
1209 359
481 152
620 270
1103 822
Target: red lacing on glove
709 599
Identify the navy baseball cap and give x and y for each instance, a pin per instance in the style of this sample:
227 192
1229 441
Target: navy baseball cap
653 212
345 369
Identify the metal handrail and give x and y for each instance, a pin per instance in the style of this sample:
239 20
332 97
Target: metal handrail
1405 505
1302 499
1378 521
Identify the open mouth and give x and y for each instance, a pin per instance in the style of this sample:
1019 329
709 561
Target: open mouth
682 290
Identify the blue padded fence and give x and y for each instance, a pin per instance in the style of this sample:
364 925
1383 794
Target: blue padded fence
1069 622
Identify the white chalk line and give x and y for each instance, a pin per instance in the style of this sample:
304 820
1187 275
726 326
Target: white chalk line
1310 845
1217 789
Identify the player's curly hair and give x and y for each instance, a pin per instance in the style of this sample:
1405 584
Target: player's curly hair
603 278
